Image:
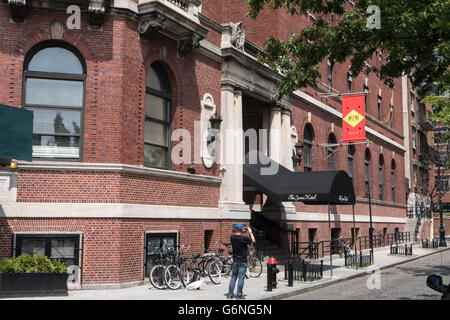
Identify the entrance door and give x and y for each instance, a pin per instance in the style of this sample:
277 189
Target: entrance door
335 234
154 242
252 121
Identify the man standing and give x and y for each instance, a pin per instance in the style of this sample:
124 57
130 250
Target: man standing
239 244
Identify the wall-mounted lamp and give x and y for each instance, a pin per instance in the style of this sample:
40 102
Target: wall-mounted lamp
297 157
215 121
191 168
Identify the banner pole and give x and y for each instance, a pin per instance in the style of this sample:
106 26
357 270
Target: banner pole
329 231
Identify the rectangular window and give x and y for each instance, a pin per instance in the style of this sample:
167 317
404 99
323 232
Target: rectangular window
65 247
412 103
379 108
413 139
308 161
367 175
349 82
381 184
351 166
393 184
443 183
330 75
366 99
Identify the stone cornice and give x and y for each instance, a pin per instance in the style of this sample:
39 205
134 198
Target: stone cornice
120 168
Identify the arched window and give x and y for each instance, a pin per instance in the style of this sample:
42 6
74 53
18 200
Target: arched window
158 111
351 161
367 170
54 89
331 152
308 138
380 170
393 180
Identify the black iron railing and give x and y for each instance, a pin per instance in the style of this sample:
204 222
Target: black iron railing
305 271
434 243
357 260
418 212
320 249
285 239
401 250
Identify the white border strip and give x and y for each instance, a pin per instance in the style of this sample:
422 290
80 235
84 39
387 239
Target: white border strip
112 210
308 216
101 210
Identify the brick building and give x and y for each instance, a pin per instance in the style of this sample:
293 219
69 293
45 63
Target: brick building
103 190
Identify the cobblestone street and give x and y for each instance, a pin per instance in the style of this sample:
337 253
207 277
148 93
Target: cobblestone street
404 282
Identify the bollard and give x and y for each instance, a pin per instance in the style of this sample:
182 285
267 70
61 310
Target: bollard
290 273
321 268
272 271
286 266
269 277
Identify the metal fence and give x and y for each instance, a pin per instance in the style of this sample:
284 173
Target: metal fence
305 271
358 260
402 250
320 249
430 244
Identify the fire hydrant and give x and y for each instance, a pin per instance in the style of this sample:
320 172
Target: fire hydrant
272 271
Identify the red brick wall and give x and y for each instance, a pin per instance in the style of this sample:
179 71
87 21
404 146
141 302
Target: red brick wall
117 60
113 249
93 187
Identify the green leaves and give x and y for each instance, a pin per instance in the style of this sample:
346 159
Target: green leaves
413 38
35 263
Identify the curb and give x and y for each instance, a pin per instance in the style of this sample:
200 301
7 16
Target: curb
332 282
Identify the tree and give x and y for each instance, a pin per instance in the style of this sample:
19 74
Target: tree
413 39
440 100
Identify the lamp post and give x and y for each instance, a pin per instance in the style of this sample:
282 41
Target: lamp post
442 242
297 157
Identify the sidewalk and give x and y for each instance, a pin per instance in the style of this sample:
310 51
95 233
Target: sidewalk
254 289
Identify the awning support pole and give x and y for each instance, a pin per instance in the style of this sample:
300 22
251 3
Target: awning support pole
354 232
329 231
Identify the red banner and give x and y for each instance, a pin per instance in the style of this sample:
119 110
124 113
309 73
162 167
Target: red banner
353 118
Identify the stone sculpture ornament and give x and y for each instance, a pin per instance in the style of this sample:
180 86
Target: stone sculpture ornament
238 36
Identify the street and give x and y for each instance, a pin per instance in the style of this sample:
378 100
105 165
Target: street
404 282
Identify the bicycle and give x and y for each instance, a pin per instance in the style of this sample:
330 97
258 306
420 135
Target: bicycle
201 266
172 275
255 266
157 273
344 249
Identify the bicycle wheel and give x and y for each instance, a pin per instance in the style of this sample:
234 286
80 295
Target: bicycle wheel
226 265
172 277
157 276
254 267
187 271
215 271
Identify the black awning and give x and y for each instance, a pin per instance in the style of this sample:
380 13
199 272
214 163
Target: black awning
317 187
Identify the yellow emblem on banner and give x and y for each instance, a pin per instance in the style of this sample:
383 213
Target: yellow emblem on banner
353 118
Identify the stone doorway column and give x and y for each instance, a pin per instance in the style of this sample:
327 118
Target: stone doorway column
231 155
